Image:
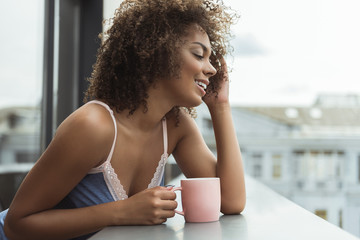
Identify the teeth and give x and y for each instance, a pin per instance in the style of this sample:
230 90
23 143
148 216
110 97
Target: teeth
201 84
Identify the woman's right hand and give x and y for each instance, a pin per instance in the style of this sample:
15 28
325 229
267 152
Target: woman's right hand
149 207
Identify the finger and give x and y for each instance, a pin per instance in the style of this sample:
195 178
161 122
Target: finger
167 214
167 194
170 186
157 221
169 204
157 188
160 190
163 220
223 64
224 69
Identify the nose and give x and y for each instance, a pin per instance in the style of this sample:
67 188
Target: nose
209 70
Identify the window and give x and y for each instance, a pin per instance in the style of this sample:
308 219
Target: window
299 163
26 157
331 164
21 66
270 52
276 166
340 219
257 165
64 60
321 213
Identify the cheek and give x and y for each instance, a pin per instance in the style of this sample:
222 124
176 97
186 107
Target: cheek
190 64
192 67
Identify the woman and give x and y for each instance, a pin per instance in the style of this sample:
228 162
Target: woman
158 60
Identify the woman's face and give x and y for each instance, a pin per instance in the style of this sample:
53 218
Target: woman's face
190 87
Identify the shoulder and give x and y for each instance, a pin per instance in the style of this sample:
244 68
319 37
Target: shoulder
181 123
90 128
90 119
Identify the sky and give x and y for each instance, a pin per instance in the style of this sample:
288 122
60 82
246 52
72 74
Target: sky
21 53
286 52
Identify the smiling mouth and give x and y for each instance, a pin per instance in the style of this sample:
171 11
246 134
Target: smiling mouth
201 84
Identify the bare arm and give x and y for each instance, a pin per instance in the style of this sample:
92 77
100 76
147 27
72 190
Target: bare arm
82 142
196 160
65 162
229 165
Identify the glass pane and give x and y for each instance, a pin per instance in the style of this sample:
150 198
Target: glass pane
21 24
295 89
296 78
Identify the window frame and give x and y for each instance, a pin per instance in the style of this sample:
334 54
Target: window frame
71 43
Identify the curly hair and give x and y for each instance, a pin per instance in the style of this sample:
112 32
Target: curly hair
142 45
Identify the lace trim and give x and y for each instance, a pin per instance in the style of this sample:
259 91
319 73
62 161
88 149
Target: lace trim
112 181
97 169
155 181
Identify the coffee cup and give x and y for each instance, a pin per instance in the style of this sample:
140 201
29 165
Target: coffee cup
201 199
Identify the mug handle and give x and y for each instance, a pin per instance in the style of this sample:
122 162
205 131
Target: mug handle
178 189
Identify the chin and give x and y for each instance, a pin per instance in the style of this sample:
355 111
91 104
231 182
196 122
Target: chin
193 103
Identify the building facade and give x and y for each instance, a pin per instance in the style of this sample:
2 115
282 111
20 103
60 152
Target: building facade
19 135
310 155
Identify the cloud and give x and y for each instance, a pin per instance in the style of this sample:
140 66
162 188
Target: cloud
247 45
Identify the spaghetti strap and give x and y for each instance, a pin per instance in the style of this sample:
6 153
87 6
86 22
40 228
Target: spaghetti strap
110 177
165 137
159 172
114 121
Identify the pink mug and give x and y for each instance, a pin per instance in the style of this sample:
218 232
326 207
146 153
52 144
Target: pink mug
201 199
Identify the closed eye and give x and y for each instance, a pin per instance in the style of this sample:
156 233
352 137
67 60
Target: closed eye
198 56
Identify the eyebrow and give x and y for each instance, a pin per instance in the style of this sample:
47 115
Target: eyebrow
202 45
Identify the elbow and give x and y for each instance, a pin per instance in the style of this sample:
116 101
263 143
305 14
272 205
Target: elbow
7 230
233 210
233 207
10 230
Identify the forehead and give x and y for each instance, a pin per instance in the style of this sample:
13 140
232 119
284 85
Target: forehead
197 34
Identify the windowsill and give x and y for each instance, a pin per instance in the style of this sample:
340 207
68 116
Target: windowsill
15 168
267 215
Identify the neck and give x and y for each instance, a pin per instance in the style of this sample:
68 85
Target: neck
146 121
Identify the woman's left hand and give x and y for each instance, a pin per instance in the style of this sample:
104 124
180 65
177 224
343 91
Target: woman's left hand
223 92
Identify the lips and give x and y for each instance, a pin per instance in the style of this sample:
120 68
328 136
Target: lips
201 84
